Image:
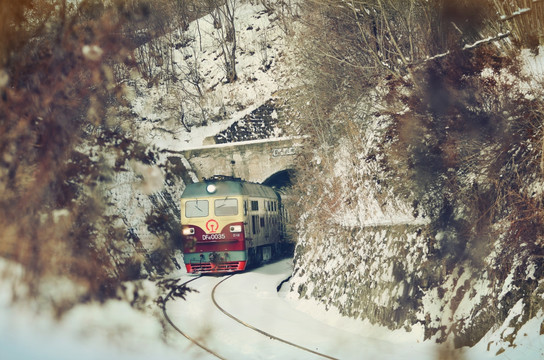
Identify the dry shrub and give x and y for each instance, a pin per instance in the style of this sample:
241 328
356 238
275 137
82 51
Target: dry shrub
53 134
477 135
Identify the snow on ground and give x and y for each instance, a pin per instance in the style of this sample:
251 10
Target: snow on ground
114 330
253 298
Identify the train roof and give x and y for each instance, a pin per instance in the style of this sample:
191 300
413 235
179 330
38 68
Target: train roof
228 188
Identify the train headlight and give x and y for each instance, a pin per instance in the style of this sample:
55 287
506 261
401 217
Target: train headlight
235 228
211 188
188 231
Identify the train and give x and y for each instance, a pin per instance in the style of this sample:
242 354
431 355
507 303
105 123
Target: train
229 224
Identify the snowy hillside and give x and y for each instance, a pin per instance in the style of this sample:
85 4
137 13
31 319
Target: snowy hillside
180 115
116 330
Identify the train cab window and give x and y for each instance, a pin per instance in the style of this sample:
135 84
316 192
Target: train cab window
225 207
196 208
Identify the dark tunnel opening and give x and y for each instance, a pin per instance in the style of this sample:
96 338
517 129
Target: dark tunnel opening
281 179
282 182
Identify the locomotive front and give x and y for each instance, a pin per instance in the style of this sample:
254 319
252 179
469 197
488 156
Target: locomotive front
212 218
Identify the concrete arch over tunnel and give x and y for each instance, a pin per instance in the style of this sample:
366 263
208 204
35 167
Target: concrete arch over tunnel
267 161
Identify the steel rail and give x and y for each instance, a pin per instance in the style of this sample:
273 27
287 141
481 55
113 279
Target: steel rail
262 331
194 341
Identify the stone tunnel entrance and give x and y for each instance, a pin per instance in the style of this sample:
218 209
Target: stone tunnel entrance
267 161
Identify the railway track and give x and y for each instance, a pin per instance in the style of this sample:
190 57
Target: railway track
238 320
194 341
259 330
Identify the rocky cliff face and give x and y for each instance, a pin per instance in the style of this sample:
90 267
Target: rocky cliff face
375 273
391 275
430 219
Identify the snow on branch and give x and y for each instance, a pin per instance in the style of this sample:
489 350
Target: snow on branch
485 41
515 13
474 45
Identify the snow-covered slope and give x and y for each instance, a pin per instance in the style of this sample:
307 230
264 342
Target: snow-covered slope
181 114
115 330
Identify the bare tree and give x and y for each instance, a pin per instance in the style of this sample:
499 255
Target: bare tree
223 15
390 36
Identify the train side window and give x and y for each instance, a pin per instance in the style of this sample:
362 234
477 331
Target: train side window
254 223
225 207
196 208
254 205
245 207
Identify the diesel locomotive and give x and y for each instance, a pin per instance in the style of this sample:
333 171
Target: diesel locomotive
229 224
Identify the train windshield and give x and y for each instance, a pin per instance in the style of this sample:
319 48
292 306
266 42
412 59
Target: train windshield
196 208
225 207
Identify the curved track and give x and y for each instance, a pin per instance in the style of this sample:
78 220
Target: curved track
210 351
259 330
